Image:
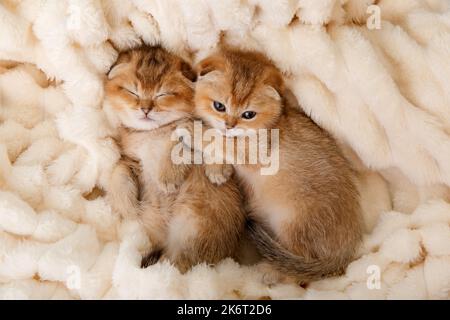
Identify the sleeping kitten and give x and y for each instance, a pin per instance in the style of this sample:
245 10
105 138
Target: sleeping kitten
189 220
306 217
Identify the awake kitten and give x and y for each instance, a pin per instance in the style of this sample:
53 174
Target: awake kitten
189 220
306 217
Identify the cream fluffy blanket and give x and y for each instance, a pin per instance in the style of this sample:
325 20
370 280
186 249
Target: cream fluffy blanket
381 87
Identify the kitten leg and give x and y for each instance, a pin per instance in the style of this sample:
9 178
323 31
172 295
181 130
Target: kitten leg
182 230
218 173
122 191
201 235
155 224
171 176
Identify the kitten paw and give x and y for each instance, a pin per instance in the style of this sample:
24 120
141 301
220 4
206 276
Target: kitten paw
217 178
172 177
218 174
268 276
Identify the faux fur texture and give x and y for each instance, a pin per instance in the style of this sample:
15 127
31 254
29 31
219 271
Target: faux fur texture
383 93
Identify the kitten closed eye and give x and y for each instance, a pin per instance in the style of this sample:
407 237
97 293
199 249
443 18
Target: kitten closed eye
165 94
131 92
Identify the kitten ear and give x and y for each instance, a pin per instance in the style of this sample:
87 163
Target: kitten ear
272 92
119 65
116 70
214 63
188 72
275 82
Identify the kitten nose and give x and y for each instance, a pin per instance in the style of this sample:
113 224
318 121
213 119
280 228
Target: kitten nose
146 110
231 123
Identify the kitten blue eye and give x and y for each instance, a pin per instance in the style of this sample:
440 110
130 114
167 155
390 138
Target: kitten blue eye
219 106
249 115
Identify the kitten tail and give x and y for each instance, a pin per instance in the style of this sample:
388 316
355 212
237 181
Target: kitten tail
290 265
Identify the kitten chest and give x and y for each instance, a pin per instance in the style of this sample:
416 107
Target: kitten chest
151 150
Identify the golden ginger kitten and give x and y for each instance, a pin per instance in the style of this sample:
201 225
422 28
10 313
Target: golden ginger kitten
305 218
149 92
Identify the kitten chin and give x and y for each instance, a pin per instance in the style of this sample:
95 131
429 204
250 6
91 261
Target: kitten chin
188 218
305 218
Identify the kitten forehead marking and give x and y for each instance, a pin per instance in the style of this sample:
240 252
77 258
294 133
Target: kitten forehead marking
150 69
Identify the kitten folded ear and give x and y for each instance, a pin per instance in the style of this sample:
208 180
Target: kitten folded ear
210 64
187 71
119 65
116 70
275 81
272 92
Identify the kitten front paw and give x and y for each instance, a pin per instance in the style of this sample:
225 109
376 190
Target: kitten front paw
218 174
171 179
217 179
